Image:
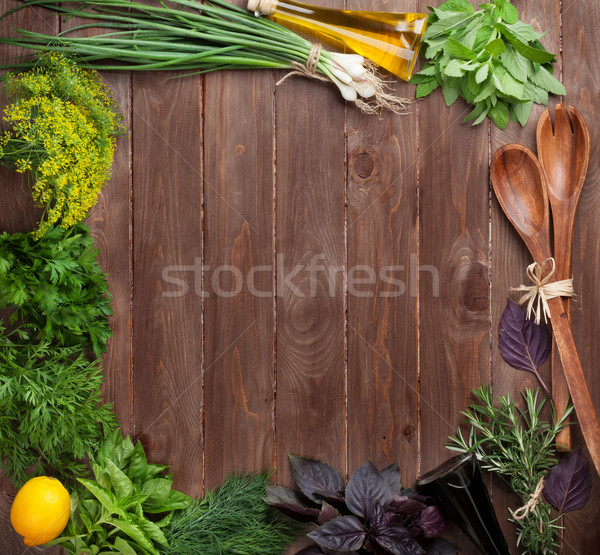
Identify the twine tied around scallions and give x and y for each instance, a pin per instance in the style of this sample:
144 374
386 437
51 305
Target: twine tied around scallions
191 37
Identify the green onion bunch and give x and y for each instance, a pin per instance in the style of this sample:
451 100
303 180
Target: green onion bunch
185 35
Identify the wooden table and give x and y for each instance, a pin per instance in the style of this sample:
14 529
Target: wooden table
290 276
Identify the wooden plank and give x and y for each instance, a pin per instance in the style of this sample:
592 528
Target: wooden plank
453 238
580 62
110 224
382 245
510 257
239 300
310 227
167 233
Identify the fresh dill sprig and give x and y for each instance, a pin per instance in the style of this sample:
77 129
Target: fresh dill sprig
233 520
519 446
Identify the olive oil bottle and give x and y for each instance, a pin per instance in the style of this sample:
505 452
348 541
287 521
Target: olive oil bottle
391 40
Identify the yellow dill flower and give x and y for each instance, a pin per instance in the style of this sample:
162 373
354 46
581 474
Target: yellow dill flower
62 123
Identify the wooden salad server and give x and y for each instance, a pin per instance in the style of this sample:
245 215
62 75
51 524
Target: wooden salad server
519 183
564 152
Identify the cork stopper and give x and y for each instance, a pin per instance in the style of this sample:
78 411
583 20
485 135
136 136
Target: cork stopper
264 7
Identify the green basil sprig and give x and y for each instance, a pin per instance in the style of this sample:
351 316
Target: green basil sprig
116 512
488 57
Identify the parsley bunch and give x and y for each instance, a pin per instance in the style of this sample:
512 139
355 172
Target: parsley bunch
61 125
56 287
488 57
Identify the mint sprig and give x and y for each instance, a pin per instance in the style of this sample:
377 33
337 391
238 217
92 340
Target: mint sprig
488 57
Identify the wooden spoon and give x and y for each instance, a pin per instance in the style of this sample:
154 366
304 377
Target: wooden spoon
564 152
519 182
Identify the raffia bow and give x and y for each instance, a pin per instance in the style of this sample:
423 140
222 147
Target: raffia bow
537 295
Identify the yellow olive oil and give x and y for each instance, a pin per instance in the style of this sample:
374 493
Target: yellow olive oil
391 40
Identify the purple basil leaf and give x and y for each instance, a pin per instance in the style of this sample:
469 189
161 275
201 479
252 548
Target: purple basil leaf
391 475
317 479
398 541
405 505
377 521
568 484
289 502
439 546
524 344
327 513
366 487
431 522
344 533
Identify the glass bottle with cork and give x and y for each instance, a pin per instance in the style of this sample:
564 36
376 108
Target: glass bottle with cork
391 40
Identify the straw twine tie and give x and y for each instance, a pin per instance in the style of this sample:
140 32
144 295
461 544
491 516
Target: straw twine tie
537 295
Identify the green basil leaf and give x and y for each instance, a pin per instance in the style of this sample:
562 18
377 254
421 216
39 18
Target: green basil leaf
124 547
121 484
106 497
482 37
157 488
450 94
495 47
93 508
426 87
434 47
136 534
468 37
138 465
455 48
499 115
175 501
151 529
499 3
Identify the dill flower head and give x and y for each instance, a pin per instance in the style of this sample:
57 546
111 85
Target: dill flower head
61 128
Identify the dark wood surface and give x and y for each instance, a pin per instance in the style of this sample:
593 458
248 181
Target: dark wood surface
341 277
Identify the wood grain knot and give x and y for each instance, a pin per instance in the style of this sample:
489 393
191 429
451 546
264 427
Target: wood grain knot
476 290
239 150
363 164
408 432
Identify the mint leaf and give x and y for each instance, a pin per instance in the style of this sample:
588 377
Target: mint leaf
482 73
509 13
455 48
545 80
450 94
522 110
489 58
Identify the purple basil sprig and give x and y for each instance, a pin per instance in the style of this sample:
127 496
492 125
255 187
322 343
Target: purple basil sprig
524 344
569 483
372 513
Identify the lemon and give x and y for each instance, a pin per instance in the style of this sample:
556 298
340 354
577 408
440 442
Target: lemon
40 510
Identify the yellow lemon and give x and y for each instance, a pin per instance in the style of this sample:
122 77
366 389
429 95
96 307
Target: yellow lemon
40 510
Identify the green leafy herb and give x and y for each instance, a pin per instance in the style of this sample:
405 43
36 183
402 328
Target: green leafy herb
50 407
488 57
232 520
520 447
116 512
56 288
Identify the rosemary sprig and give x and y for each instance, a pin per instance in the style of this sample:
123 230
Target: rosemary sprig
519 446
